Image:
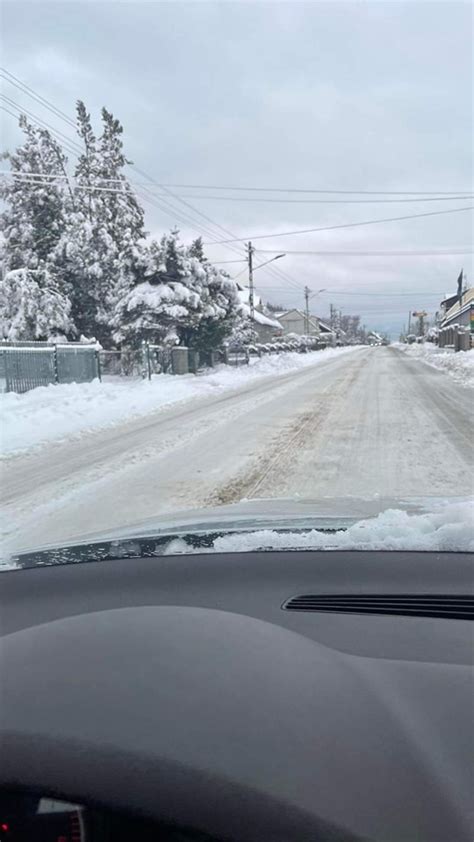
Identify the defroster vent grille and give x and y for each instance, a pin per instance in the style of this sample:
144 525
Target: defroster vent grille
448 606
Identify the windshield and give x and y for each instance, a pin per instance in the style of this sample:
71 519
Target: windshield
236 295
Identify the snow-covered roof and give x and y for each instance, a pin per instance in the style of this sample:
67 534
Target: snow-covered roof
325 328
244 293
460 306
260 318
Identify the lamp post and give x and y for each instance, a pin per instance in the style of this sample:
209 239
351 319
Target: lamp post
250 252
307 296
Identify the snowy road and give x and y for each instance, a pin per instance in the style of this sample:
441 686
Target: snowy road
372 422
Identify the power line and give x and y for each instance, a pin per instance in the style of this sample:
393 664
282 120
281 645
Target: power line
416 253
345 225
13 80
48 126
325 201
150 198
166 206
272 270
444 198
384 294
334 192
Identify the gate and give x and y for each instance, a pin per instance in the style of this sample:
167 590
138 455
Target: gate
25 367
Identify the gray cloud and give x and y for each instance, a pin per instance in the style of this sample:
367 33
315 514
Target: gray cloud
349 96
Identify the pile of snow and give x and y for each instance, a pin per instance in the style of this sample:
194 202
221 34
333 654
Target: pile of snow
459 365
448 528
51 413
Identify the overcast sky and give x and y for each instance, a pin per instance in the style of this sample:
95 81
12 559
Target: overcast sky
372 96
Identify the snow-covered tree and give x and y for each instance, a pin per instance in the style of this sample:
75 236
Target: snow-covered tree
182 299
158 308
33 219
219 305
32 306
100 250
243 331
77 256
122 216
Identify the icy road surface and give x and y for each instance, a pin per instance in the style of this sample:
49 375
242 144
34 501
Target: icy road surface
372 422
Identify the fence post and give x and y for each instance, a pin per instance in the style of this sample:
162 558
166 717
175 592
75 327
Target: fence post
55 363
8 383
179 360
146 360
97 360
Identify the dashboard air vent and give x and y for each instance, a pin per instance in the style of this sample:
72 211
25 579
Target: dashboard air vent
450 607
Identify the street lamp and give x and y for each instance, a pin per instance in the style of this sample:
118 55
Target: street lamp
277 257
251 271
307 296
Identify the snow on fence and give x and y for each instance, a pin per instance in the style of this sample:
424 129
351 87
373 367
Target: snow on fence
24 367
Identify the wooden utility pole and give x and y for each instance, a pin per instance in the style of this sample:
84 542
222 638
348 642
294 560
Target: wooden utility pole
251 294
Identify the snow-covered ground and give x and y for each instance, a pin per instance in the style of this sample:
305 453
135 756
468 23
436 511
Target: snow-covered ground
448 527
459 365
373 424
52 413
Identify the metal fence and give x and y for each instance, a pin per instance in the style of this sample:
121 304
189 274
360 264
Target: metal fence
24 367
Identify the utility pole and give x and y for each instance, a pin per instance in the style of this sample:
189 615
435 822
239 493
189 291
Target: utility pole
306 310
251 295
409 322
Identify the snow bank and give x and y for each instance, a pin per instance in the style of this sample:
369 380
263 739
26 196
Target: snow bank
459 365
448 528
51 413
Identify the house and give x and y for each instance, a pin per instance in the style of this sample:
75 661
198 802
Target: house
445 305
458 319
266 327
294 321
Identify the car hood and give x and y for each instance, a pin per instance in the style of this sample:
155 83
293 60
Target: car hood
199 530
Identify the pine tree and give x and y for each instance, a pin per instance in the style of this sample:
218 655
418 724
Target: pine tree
32 306
122 216
196 249
166 302
183 299
33 219
100 251
77 256
219 307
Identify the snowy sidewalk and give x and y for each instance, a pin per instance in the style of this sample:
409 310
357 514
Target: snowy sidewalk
52 413
460 366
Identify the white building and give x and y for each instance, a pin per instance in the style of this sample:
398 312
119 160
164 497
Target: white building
294 321
267 327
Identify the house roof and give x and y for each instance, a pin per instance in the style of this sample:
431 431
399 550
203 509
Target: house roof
258 316
325 328
313 320
449 298
460 306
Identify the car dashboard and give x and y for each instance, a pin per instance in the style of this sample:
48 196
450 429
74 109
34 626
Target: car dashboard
251 697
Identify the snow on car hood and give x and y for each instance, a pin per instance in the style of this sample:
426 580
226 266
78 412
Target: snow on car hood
417 524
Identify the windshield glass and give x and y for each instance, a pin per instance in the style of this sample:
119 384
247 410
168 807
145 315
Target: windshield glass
236 295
